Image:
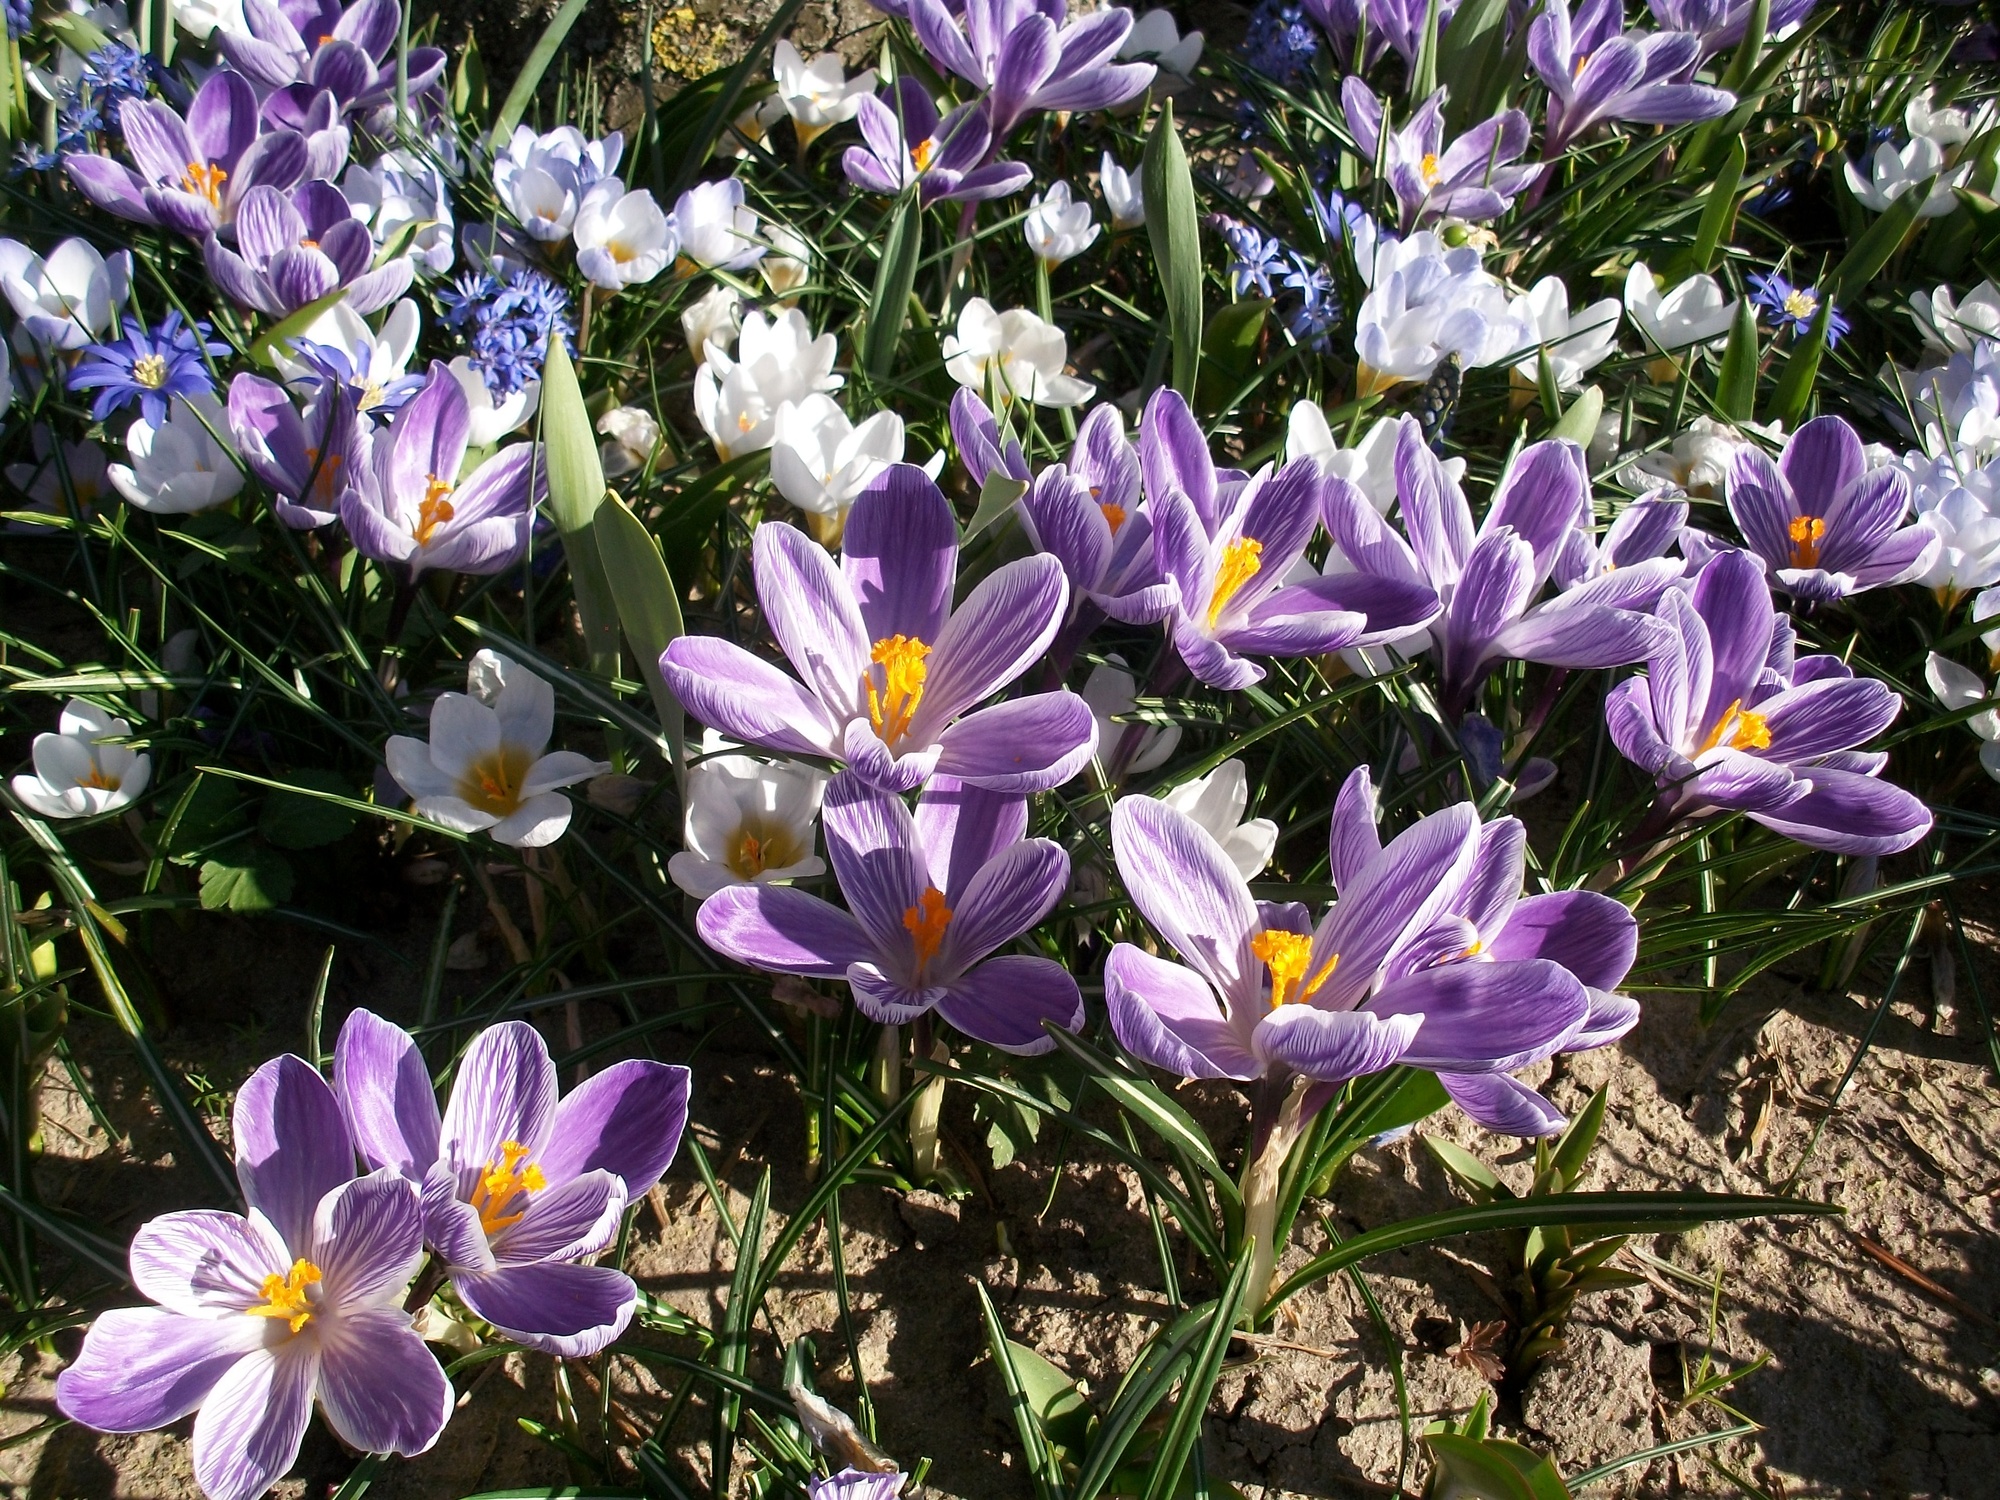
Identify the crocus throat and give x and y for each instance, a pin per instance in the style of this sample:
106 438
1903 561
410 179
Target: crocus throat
1738 729
1429 168
927 921
150 370
322 472
921 154
895 692
1287 955
1807 533
759 846
290 1297
433 510
1113 514
100 780
493 783
204 180
502 1183
1240 563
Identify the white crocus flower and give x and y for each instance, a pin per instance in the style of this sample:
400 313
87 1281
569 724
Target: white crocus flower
789 265
490 422
1123 193
630 436
712 320
1155 38
1112 695
1015 353
1698 460
1216 801
737 397
179 467
78 771
1576 342
1694 312
1894 171
749 822
1427 301
821 462
817 95
65 301
1958 500
542 179
622 239
751 125
1951 326
1956 687
201 19
377 360
1370 466
484 767
404 191
718 230
1948 127
1058 228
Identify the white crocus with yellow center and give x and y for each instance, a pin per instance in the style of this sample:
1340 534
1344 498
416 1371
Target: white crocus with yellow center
820 461
622 239
1960 688
737 397
749 822
81 770
182 465
492 420
484 767
1058 228
817 95
1216 801
1014 355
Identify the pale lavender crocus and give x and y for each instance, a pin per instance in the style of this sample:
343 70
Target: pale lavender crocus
1226 547
1470 179
982 447
1641 532
1825 524
519 1187
409 508
1724 23
1089 515
306 459
1597 72
1377 24
345 50
194 174
1489 581
932 896
906 142
893 674
295 248
1726 720
1028 55
259 1317
855 1484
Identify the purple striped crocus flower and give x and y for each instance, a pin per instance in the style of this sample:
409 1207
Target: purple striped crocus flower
1825 524
1089 515
294 248
907 143
194 174
1726 720
982 447
1489 580
1028 55
322 45
1226 546
305 459
1724 23
1470 179
409 508
258 1318
892 673
1383 23
519 1187
1596 72
931 896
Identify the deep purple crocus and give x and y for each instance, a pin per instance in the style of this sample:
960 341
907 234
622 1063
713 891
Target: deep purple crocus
907 143
306 458
1726 720
1470 179
519 1188
295 248
193 174
1377 24
1028 55
147 367
1487 920
932 896
1226 546
1724 23
1825 524
1596 72
258 1318
319 118
892 673
347 51
1489 581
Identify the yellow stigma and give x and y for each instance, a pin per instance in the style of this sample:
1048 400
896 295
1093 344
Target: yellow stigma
1429 168
1239 565
100 780
921 154
926 922
894 694
1738 730
150 370
288 1296
1115 514
433 510
322 474
749 860
493 782
204 181
1286 955
1807 533
502 1183
1800 304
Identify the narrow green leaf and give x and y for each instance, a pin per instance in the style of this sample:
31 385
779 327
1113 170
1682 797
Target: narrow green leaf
1469 54
1756 25
1173 224
722 108
895 278
530 77
1146 1384
1149 1102
732 1351
1034 1446
1573 1150
316 1012
1720 207
1473 1174
80 34
576 489
1736 386
1869 254
1795 381
264 348
1184 1429
1578 423
996 497
1424 72
648 606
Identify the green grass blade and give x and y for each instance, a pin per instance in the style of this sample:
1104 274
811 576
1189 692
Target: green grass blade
895 278
1184 1429
515 105
1034 1445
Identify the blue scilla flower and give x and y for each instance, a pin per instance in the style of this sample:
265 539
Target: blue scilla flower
1794 307
1256 257
147 368
508 324
1311 322
114 73
20 18
1280 43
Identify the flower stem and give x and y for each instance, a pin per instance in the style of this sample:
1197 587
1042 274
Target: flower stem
1262 1180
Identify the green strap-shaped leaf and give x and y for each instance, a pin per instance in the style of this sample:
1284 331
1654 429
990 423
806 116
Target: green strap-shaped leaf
576 489
530 77
1034 1445
1469 54
1795 381
1173 224
1184 1429
648 606
1167 1119
1871 252
895 278
1736 387
1719 208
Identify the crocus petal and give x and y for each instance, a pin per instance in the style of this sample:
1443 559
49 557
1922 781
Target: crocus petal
1187 887
812 614
291 1145
1487 1018
143 1367
202 1262
1332 1046
1592 936
381 1389
960 828
900 554
569 1220
368 1239
1835 713
1761 504
1401 890
1026 744
1168 1016
571 1311
248 1431
1009 895
727 688
505 1091
777 927
1002 628
1820 460
384 1087
1503 1105
1354 839
627 1119
1850 814
1580 638
1434 509
888 1000
872 841
1005 1001
1611 1016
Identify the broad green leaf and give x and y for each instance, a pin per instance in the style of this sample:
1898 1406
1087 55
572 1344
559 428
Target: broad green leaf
895 277
648 606
1756 25
1736 386
78 33
468 80
1468 1468
1719 210
1173 224
1573 1150
996 497
576 489
249 877
1042 1467
1469 54
1579 420
1795 381
264 348
1058 1404
530 77
1473 1174
1229 347
292 821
